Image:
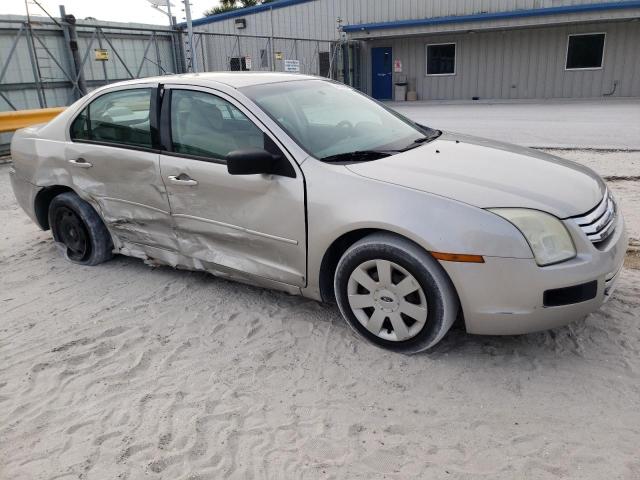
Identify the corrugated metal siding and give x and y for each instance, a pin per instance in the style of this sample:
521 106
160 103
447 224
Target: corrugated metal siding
519 64
313 20
317 19
130 46
507 58
218 51
521 22
18 82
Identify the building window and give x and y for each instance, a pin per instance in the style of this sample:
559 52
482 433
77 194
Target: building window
325 64
238 64
441 59
264 58
585 51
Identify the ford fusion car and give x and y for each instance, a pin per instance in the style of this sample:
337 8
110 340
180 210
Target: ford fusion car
305 185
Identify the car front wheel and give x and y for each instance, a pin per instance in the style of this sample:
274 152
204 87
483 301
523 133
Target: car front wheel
395 294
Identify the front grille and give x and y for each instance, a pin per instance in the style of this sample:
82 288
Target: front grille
599 223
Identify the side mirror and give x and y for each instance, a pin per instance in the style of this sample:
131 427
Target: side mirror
255 161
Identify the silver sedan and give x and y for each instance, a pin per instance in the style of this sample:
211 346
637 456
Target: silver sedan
305 185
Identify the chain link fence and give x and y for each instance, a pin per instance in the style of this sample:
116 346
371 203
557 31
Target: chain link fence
228 52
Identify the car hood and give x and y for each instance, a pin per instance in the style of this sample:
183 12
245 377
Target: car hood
490 174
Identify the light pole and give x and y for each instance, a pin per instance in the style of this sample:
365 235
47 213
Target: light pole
176 52
156 4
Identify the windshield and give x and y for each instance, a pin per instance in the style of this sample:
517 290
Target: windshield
333 122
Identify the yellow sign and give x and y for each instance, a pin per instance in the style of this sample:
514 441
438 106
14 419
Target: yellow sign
279 56
102 54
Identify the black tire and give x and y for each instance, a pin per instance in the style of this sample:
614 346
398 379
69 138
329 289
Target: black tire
76 225
442 302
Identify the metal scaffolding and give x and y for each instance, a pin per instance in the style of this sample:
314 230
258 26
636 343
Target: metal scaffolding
64 55
51 62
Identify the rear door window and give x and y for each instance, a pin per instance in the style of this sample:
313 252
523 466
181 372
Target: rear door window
120 118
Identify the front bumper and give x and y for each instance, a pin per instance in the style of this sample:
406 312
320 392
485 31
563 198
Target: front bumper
504 296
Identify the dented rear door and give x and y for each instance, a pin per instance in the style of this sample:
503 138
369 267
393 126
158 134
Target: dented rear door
113 159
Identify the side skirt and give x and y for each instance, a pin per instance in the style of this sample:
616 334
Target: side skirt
157 256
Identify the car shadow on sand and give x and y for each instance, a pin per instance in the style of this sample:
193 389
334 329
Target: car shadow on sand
604 332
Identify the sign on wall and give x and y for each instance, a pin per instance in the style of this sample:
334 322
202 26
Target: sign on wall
292 66
279 56
397 66
101 54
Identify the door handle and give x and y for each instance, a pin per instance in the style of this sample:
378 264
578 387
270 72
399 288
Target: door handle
80 163
184 181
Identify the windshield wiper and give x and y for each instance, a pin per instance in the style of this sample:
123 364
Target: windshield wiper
359 156
421 140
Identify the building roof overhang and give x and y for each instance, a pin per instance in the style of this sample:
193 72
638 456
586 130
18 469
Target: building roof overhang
241 12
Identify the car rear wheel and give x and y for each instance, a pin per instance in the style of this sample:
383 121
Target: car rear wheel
77 226
395 294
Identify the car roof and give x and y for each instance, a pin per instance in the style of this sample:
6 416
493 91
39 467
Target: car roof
232 79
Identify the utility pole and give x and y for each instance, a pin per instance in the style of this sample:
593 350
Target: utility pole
71 37
273 48
190 53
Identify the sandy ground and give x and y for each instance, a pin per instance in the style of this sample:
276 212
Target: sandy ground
126 372
612 123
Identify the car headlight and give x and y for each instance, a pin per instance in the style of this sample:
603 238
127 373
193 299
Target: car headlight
547 236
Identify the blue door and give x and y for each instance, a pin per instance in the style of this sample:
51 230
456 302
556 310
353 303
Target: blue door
381 68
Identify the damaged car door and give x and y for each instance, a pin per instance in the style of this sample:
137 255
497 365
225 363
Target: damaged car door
113 159
243 226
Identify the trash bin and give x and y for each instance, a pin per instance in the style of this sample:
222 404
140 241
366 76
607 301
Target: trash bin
401 92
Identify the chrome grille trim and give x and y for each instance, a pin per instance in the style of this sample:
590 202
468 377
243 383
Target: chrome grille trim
595 213
600 222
